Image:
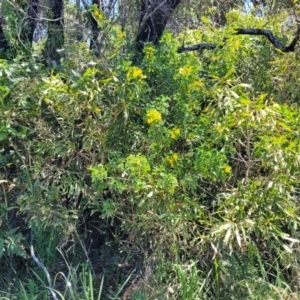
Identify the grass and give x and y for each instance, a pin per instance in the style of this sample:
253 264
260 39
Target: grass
232 276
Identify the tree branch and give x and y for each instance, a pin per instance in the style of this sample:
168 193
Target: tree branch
272 38
200 47
252 31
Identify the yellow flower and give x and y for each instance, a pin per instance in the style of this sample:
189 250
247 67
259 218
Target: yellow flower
153 116
172 159
149 52
135 73
227 169
175 157
197 85
167 37
237 44
174 133
120 36
99 16
185 71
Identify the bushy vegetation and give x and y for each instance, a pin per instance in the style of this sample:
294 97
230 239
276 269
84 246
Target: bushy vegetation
173 178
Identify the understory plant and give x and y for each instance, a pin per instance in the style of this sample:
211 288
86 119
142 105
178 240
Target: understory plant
183 168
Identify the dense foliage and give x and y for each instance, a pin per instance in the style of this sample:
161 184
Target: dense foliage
173 178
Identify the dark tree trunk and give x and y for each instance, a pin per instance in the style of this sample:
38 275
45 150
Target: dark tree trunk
223 7
32 18
96 40
259 2
153 20
57 8
29 22
55 39
28 26
4 46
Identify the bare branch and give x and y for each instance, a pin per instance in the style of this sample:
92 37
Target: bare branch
272 38
252 31
200 47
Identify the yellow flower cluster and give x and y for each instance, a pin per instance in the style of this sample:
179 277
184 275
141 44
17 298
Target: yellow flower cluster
153 116
196 85
135 73
98 15
185 71
227 169
167 37
174 133
120 35
149 52
236 44
172 159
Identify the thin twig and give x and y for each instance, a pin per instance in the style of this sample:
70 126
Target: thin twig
85 252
